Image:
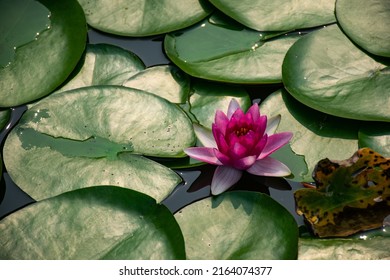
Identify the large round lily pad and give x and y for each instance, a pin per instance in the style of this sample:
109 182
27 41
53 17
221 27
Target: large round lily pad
223 50
265 15
238 225
92 136
104 64
43 64
143 17
92 223
366 23
315 135
327 72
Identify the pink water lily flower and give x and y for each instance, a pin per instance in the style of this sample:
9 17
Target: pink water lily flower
240 141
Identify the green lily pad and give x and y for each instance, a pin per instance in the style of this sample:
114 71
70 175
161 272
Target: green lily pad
166 81
4 118
315 135
344 249
91 136
327 72
102 222
208 97
104 64
366 23
143 17
222 50
278 15
42 65
21 22
238 225
375 135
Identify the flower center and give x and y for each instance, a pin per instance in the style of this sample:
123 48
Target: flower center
242 131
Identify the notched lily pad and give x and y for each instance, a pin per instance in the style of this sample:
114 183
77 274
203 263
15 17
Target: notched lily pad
102 222
350 196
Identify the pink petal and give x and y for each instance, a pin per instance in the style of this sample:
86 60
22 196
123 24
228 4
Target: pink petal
221 121
244 163
233 106
238 151
269 167
224 177
224 159
203 154
274 142
220 140
205 136
254 112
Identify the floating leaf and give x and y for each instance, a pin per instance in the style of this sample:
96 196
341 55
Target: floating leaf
366 23
90 136
104 64
166 81
143 17
4 118
279 15
238 225
375 135
21 22
222 50
92 223
208 97
315 135
42 65
350 196
376 248
327 72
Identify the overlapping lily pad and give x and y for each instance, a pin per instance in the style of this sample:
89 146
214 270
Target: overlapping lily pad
104 64
4 118
264 15
42 65
327 72
144 17
375 135
366 23
315 135
166 81
238 225
90 136
92 223
220 49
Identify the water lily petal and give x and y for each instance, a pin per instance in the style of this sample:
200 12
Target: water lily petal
273 124
224 159
205 136
269 167
233 106
220 139
274 142
244 163
254 112
224 177
204 154
221 121
238 151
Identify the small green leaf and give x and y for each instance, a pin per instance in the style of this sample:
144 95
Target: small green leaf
315 135
326 71
143 17
104 64
264 15
238 225
41 66
102 222
222 50
366 23
166 81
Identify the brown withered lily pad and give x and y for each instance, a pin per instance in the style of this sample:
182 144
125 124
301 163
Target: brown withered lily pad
349 196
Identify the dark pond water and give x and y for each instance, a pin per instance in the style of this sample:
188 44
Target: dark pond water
196 181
